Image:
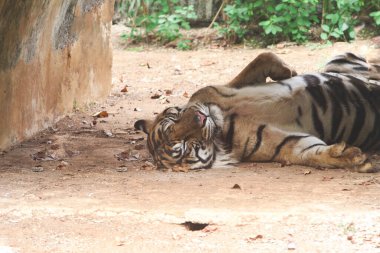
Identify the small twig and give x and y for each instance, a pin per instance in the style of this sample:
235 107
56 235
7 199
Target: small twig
217 14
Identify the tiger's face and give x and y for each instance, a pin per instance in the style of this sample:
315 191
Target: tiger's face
184 136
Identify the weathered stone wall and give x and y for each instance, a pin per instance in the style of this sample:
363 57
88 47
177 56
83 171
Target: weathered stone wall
53 54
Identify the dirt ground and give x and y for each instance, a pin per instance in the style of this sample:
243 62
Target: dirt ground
87 184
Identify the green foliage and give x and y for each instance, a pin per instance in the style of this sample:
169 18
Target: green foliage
238 16
292 19
269 20
157 19
376 17
338 23
184 44
168 25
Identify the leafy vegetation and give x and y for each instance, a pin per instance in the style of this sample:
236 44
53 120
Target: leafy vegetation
271 20
160 19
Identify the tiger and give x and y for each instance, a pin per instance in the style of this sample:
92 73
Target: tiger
326 119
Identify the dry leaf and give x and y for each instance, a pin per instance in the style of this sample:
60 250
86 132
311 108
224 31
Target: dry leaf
210 229
55 147
306 172
72 153
155 96
45 155
139 146
122 156
251 239
101 114
148 166
168 92
207 63
62 165
180 168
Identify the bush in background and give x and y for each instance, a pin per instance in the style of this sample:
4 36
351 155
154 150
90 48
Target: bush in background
271 20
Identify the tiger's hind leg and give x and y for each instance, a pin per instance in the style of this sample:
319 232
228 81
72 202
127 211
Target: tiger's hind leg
350 63
303 149
340 156
263 66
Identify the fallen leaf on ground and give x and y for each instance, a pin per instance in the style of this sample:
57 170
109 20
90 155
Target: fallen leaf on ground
128 155
145 64
101 114
54 146
307 172
210 229
251 239
62 165
123 155
370 182
45 155
155 96
72 153
148 166
207 63
168 92
139 146
166 101
180 168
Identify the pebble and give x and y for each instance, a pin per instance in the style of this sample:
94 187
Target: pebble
108 133
122 169
291 246
37 169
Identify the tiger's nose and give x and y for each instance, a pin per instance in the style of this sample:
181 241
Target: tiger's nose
200 118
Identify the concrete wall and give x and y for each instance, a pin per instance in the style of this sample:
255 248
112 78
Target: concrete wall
54 54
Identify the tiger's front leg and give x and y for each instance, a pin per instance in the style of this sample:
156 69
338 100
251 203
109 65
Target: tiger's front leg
275 145
264 65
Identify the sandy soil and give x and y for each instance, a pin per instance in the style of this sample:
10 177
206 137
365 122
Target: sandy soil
87 184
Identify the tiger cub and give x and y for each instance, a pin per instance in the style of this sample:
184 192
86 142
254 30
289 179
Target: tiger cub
320 119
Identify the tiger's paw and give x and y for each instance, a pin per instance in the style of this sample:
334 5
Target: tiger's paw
367 167
343 156
279 70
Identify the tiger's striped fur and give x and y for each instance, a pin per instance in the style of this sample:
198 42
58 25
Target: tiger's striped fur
306 119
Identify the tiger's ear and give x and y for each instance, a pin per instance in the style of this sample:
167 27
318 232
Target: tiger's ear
143 125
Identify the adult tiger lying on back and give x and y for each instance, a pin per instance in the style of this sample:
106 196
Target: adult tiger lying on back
305 119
